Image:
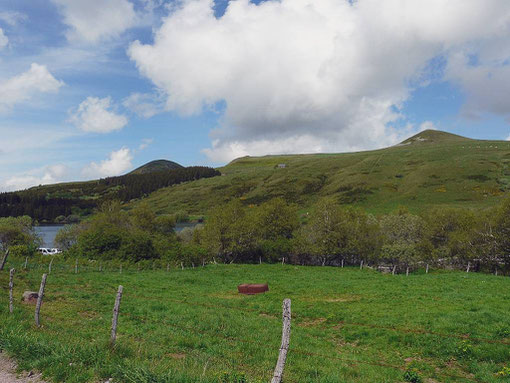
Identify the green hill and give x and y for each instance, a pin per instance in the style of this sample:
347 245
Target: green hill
157 166
431 168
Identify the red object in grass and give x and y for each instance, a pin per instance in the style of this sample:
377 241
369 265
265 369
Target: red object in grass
251 289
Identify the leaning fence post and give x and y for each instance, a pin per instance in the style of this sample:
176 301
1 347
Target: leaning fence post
115 316
4 259
39 300
361 265
284 348
11 286
393 271
468 267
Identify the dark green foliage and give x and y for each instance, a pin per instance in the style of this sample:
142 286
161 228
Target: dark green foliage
47 203
412 377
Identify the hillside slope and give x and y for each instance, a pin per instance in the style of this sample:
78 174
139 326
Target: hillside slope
156 166
431 168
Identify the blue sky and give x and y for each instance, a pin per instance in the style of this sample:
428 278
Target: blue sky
92 89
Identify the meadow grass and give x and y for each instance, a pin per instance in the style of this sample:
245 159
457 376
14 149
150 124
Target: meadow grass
444 171
348 325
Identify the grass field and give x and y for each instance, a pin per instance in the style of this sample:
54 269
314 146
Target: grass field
349 325
433 169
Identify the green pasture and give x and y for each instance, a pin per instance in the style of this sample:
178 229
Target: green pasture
348 325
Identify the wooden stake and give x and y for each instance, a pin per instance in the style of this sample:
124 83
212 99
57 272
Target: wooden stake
407 271
182 266
4 259
342 263
26 263
361 265
284 348
260 260
393 271
115 316
39 300
11 287
468 267
427 269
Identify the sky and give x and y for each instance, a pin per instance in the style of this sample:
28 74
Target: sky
95 88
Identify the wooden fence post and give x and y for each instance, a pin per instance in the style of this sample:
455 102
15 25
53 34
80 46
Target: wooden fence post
393 271
39 300
26 263
182 266
427 269
284 348
168 267
342 263
468 267
115 316
361 265
11 286
4 259
407 271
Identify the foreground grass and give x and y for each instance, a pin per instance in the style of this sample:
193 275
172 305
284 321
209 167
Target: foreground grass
192 326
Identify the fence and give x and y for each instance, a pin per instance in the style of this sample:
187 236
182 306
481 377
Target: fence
285 346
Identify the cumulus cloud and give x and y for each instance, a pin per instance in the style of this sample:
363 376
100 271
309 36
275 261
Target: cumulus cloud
3 39
96 115
94 20
12 17
47 175
24 86
306 75
118 162
146 142
144 104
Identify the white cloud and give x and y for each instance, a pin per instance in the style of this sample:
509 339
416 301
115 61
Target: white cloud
3 39
95 115
143 104
427 125
146 142
93 20
118 162
24 86
47 175
12 18
333 73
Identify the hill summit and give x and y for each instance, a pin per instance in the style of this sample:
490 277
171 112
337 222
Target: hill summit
156 166
434 136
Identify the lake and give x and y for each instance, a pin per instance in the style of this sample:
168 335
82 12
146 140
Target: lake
49 232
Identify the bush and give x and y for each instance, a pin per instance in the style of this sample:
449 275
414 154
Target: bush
412 377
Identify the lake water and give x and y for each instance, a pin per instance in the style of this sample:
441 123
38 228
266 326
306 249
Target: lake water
49 232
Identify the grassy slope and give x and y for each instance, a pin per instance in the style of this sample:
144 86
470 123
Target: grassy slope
434 168
191 325
156 166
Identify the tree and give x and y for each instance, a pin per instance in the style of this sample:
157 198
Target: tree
229 233
404 237
17 231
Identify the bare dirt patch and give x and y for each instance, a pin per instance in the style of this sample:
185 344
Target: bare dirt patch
8 372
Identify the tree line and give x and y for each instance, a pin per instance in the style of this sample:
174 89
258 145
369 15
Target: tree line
65 202
329 234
